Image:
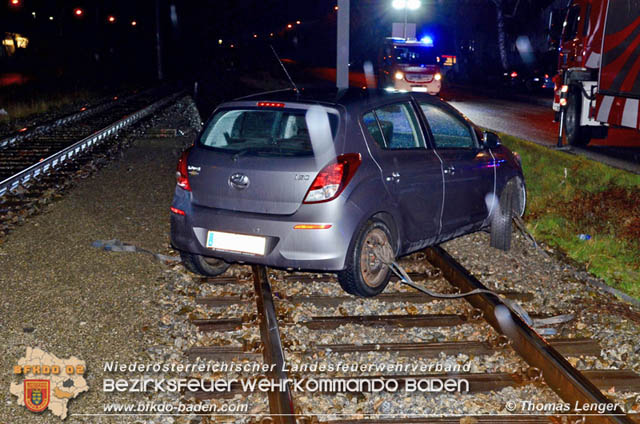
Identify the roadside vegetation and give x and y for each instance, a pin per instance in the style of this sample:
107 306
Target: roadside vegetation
568 196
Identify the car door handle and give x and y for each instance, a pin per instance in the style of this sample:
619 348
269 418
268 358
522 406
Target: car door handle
395 177
449 170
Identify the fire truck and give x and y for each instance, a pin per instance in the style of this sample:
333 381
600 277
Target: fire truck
410 65
597 84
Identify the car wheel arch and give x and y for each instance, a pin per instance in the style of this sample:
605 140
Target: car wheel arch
385 217
388 219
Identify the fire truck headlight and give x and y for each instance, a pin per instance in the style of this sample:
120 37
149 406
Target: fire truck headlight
399 75
438 76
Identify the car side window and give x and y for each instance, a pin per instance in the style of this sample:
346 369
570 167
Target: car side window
449 131
371 123
398 126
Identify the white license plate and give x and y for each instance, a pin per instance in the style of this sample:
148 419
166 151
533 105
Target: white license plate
240 243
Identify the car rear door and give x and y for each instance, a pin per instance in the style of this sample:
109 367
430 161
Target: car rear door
411 173
469 171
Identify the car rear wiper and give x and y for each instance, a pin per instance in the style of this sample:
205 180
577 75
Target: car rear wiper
253 149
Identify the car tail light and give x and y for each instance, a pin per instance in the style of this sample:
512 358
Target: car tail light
270 104
514 74
182 174
178 211
333 178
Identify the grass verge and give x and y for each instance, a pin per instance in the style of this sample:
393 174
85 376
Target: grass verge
570 195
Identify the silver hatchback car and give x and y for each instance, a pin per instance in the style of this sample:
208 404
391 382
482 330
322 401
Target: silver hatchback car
316 179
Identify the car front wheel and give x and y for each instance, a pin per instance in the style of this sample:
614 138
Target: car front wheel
365 274
503 215
198 264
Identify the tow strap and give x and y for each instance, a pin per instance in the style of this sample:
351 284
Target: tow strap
385 255
116 245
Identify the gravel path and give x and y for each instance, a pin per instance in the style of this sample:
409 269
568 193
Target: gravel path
62 295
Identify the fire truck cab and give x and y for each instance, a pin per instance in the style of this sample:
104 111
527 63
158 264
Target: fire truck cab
597 84
409 65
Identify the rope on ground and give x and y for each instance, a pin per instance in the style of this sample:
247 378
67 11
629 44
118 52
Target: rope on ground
385 255
116 245
523 229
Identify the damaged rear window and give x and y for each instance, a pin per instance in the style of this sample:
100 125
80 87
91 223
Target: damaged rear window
262 132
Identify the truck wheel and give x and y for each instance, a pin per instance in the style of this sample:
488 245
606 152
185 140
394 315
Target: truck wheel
198 264
576 135
502 217
365 275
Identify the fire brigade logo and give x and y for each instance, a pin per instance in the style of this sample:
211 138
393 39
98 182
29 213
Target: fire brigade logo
48 382
36 395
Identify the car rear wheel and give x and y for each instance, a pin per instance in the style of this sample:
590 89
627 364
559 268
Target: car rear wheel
501 218
198 264
365 275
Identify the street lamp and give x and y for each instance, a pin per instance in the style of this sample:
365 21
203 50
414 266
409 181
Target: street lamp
406 5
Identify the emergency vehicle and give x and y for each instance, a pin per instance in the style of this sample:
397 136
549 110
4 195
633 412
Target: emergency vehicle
597 84
410 65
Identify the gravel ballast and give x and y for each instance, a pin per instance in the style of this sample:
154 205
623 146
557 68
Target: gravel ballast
70 299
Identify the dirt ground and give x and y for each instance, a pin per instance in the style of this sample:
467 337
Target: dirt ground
62 295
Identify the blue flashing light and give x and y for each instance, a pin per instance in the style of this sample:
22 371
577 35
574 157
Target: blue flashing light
427 39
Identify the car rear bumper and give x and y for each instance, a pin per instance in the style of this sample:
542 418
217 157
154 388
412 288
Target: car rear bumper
286 247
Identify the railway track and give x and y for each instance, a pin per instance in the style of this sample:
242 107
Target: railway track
32 153
390 337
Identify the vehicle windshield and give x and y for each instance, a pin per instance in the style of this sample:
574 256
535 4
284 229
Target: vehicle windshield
262 132
415 55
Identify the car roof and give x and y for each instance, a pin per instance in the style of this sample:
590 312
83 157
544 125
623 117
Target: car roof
350 98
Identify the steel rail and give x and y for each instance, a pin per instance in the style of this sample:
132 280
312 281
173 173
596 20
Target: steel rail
569 383
280 401
46 127
70 152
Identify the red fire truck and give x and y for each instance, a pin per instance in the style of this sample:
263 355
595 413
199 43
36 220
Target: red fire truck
598 82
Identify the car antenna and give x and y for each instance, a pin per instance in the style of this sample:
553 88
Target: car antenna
295 88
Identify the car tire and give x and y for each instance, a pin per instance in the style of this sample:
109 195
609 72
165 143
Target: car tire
198 264
577 135
364 274
501 218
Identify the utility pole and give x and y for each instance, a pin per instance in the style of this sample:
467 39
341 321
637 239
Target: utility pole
158 42
342 62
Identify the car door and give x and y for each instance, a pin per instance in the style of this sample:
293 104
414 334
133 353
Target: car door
411 173
469 171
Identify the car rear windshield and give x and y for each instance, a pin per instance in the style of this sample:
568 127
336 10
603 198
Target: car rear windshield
262 132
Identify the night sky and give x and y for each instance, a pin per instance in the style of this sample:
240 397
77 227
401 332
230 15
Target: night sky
191 30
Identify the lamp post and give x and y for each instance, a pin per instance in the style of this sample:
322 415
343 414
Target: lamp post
406 5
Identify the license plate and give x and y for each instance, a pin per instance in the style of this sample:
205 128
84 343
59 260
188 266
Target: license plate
240 243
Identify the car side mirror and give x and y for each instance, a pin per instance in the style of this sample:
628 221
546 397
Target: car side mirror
490 139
